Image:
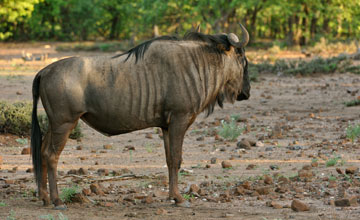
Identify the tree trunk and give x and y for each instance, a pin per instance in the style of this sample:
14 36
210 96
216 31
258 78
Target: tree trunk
113 29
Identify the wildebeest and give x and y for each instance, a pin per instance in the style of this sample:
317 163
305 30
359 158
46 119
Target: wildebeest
165 82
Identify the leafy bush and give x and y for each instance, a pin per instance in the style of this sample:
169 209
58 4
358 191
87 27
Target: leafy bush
15 118
230 131
353 132
352 103
318 65
68 193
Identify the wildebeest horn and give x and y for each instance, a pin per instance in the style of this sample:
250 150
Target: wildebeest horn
197 29
234 40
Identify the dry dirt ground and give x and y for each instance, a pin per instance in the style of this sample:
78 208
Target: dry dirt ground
299 124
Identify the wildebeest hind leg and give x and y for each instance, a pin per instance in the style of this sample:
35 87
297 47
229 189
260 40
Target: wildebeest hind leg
59 136
43 195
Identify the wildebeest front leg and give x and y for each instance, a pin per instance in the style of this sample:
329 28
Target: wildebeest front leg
173 141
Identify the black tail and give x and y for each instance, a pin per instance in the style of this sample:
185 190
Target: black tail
36 138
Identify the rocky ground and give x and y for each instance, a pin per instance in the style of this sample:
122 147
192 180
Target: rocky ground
292 161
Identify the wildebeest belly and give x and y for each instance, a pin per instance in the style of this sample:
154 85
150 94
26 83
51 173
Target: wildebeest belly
115 124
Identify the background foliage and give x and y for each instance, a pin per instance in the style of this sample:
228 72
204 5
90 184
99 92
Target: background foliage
294 22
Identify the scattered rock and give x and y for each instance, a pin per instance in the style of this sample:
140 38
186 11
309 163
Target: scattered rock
72 172
243 144
296 147
339 171
25 150
240 190
259 144
86 192
149 136
103 172
129 147
298 206
269 149
213 160
250 166
80 147
305 174
80 198
226 164
160 211
342 202
352 170
148 199
207 166
82 171
95 188
314 164
131 214
268 180
9 181
263 190
274 205
201 138
29 170
107 146
194 188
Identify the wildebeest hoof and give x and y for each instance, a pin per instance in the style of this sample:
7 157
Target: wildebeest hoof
185 204
60 207
46 202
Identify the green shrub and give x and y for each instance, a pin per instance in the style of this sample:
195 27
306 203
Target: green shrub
353 132
15 118
230 131
68 193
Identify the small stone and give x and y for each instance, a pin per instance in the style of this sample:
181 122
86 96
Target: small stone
194 188
80 147
218 138
129 147
107 146
250 166
342 202
207 166
305 174
86 192
274 205
339 171
243 144
259 144
314 164
9 181
263 190
29 170
239 190
201 138
148 199
226 164
352 170
103 172
298 206
82 171
25 151
131 214
268 180
82 158
160 211
269 149
213 160
72 172
79 198
149 136
95 188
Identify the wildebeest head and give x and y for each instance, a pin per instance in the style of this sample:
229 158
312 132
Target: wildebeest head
238 89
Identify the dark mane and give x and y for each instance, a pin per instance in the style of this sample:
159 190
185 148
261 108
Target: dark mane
140 49
212 40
